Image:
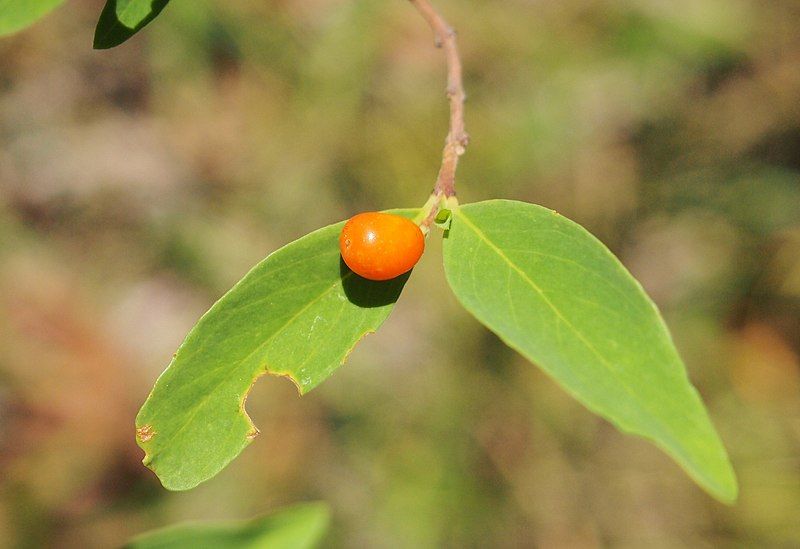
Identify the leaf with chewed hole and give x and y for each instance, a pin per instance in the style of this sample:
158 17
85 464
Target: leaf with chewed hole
297 314
16 16
556 294
298 527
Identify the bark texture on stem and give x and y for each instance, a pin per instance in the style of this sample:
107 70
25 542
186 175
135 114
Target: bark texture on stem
457 138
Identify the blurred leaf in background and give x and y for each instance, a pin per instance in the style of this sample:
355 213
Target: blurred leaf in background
121 19
298 527
17 15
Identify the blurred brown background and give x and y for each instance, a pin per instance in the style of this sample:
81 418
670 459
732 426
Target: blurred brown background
138 184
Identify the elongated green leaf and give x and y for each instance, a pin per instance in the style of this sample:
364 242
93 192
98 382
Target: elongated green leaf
297 314
16 15
121 19
556 294
298 527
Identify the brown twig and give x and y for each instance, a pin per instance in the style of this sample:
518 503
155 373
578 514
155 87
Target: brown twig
457 138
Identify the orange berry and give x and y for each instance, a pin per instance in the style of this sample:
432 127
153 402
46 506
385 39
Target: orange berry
380 246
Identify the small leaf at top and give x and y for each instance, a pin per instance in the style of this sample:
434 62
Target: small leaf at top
556 294
298 527
121 19
15 16
297 314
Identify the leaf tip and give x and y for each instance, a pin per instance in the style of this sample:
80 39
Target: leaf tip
727 491
103 40
103 37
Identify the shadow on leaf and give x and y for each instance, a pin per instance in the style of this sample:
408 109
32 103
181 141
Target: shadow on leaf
370 293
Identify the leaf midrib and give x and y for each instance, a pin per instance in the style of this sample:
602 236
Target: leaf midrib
480 234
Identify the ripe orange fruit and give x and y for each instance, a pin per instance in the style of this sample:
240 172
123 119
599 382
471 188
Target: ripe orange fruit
381 246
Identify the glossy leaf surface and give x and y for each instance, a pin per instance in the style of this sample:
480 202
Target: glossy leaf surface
297 314
556 294
121 19
298 527
16 15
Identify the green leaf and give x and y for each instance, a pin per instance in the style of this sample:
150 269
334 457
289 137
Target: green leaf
121 19
442 219
298 527
556 294
297 314
16 15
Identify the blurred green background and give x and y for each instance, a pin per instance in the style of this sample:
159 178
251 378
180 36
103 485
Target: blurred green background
138 184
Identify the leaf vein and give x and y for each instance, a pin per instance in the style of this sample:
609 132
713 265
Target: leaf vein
559 315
